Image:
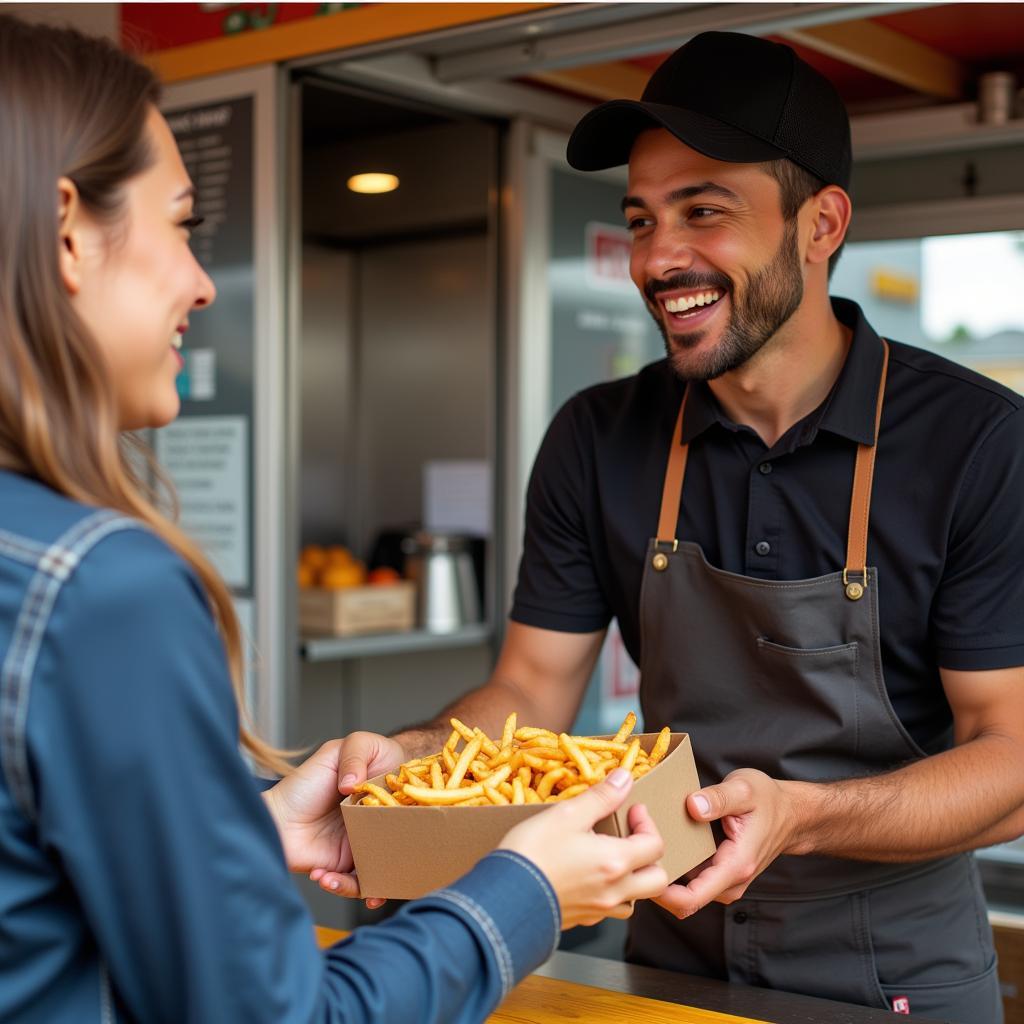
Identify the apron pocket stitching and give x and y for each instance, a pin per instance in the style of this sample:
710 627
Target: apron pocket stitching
809 652
938 986
874 986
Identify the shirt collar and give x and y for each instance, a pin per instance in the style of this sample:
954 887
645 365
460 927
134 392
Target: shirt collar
849 409
851 405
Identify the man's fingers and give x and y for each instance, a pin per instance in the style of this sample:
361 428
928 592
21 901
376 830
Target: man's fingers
734 796
721 880
677 900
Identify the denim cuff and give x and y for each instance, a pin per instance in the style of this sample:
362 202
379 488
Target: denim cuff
514 908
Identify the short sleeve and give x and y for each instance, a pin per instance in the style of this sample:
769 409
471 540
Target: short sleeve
977 621
558 586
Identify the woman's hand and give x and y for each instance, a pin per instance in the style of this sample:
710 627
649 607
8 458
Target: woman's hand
304 806
594 876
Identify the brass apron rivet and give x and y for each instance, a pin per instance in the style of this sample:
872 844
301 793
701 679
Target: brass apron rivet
660 561
854 591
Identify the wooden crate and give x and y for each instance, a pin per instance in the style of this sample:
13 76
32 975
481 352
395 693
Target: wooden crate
1008 930
355 611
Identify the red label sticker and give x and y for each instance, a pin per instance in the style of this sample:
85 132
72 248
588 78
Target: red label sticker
900 1004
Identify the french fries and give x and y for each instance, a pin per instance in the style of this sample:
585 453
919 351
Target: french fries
525 765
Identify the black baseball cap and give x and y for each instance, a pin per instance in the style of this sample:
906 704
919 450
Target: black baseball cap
732 97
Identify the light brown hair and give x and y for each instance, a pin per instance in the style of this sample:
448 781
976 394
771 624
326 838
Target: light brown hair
74 106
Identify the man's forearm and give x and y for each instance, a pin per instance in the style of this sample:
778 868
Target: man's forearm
962 799
486 708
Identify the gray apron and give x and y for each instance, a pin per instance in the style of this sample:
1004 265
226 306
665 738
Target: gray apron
786 676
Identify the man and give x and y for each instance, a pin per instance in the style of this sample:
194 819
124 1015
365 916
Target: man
831 603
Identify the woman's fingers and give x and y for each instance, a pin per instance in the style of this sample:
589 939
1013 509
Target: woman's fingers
644 842
646 883
338 884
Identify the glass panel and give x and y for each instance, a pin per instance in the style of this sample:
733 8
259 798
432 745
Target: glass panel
958 295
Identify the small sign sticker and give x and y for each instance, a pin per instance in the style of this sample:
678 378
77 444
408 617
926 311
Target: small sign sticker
900 1004
608 249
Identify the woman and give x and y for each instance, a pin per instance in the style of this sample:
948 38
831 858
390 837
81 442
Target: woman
142 874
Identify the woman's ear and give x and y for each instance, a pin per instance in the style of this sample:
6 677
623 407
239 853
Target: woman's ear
832 210
70 247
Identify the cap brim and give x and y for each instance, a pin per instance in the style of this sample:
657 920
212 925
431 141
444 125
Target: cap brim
605 135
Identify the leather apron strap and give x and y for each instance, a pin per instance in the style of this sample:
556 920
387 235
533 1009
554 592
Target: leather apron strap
860 500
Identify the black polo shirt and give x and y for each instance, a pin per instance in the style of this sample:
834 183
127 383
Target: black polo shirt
947 512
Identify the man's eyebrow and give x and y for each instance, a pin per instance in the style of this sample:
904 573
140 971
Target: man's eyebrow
704 188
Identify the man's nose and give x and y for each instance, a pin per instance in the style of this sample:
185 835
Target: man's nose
667 254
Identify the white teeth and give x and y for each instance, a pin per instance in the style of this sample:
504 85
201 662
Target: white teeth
176 341
682 304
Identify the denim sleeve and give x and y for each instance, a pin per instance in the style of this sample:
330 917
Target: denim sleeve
165 841
495 925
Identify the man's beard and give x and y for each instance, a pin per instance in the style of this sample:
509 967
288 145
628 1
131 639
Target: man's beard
773 295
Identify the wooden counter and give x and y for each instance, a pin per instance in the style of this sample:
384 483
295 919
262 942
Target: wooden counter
585 988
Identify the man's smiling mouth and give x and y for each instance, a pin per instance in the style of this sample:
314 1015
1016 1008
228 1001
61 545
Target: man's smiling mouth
683 305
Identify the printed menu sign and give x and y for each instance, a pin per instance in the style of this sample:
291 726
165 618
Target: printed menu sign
206 457
208 451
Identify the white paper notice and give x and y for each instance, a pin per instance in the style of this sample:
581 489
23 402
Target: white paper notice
206 457
457 496
202 372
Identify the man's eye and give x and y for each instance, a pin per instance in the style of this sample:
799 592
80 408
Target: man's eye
635 223
700 212
192 223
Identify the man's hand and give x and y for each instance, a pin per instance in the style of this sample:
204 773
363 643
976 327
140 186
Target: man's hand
759 821
304 806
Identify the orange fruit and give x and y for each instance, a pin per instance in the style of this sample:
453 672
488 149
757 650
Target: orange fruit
314 556
338 555
383 576
306 574
337 577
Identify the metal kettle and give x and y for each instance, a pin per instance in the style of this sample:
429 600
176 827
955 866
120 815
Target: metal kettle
446 588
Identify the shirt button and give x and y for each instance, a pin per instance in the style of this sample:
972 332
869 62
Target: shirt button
740 917
765 468
762 547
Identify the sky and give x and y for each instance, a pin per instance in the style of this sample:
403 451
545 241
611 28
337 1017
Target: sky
974 280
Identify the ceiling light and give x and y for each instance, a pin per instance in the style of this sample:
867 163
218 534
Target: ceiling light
372 183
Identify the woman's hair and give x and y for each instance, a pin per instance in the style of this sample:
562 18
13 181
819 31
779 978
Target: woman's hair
74 106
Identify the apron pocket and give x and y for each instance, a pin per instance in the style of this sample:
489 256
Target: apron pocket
931 944
974 1000
823 682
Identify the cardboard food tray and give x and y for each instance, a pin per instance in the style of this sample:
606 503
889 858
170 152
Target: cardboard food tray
405 852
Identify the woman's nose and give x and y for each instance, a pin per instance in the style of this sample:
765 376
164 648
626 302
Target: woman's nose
207 292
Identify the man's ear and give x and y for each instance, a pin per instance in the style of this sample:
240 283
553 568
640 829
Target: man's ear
831 218
70 241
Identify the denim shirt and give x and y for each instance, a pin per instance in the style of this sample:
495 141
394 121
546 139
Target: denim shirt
141 876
